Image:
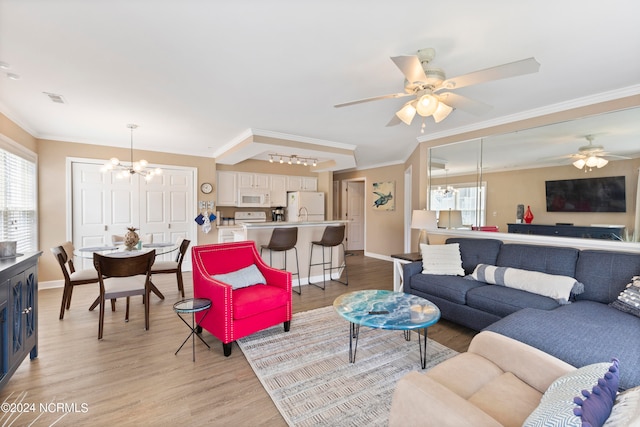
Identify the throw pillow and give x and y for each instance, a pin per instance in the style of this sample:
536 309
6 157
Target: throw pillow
442 259
626 409
596 407
629 299
553 286
242 278
556 406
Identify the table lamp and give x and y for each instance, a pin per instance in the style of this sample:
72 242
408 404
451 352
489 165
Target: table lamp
424 220
450 219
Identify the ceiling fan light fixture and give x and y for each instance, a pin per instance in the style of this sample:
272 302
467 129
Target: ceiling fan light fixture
592 161
601 162
441 112
407 113
427 105
579 163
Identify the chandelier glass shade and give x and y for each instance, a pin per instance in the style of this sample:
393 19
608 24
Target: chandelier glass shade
124 170
292 158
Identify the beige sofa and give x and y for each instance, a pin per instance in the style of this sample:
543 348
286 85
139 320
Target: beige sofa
498 382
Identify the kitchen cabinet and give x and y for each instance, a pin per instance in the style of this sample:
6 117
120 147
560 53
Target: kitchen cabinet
227 190
302 183
253 180
18 312
278 189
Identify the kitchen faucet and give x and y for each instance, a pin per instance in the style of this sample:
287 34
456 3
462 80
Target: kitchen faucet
306 214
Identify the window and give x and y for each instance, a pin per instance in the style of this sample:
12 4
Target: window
18 201
467 197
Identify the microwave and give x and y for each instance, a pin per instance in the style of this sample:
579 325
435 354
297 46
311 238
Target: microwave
252 198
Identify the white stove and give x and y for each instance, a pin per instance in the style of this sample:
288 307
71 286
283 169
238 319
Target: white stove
249 217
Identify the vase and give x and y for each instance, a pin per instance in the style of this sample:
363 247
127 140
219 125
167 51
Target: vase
131 239
528 215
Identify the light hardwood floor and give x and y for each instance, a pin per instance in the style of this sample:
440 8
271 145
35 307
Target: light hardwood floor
132 376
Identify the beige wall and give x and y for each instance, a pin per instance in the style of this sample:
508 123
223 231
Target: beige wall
383 229
52 157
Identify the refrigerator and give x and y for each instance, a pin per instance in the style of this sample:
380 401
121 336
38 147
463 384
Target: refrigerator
305 206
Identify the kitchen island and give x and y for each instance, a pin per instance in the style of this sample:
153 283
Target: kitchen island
308 231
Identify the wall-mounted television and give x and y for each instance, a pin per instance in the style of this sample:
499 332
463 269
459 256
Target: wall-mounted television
605 194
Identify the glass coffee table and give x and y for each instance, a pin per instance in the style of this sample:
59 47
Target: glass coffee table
380 309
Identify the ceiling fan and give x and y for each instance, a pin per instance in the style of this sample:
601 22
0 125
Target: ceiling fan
590 156
429 87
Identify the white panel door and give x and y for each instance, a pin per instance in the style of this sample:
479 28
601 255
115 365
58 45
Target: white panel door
102 205
355 215
165 206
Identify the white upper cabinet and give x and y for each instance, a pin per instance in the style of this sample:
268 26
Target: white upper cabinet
278 188
302 183
253 180
227 190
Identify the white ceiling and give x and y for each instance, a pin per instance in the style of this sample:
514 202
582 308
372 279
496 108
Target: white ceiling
197 75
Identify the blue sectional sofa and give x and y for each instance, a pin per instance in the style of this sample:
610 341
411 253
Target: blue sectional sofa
585 331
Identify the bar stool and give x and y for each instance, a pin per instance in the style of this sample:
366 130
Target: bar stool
332 236
282 240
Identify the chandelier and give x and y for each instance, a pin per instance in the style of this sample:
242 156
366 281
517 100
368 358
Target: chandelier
292 158
447 191
124 170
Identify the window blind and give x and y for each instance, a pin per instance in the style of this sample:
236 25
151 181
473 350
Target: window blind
18 204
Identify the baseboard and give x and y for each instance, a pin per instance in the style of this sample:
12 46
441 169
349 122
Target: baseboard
378 256
51 284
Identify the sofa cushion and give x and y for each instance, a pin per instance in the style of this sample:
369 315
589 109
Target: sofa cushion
546 259
556 406
605 273
549 285
441 259
477 251
257 299
451 288
580 333
503 301
507 399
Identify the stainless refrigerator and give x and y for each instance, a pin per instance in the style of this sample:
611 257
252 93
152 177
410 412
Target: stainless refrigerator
305 206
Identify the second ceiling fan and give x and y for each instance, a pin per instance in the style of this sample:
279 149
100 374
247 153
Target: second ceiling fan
430 88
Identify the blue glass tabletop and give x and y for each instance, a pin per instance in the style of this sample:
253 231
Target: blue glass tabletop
387 310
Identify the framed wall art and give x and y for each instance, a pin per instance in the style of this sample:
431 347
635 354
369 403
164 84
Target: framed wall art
384 196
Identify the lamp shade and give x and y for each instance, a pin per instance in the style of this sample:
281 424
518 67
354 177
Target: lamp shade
450 219
407 113
424 220
427 104
441 112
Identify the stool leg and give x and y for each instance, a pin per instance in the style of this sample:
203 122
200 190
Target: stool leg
310 264
298 272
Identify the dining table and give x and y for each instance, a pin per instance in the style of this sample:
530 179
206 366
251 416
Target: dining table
120 251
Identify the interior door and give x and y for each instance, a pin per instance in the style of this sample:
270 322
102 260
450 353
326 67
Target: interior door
355 215
165 206
102 205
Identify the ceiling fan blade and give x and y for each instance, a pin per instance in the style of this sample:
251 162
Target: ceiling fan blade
463 103
375 98
410 67
511 69
613 156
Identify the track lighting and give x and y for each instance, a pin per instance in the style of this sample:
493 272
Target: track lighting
293 158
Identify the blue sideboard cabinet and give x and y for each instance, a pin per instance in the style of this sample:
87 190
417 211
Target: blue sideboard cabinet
582 231
18 312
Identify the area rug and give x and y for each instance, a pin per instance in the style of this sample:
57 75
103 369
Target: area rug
307 373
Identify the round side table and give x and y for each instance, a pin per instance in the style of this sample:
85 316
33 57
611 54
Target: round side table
193 306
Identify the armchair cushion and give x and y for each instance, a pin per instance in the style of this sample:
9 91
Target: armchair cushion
254 299
247 276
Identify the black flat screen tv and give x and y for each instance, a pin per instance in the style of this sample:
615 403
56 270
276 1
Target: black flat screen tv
605 194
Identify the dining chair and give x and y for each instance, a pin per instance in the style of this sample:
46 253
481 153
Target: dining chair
124 277
171 267
72 277
118 239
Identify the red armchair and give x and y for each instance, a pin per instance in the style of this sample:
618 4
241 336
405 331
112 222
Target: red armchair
236 313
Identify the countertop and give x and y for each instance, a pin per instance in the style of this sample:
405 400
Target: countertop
272 224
